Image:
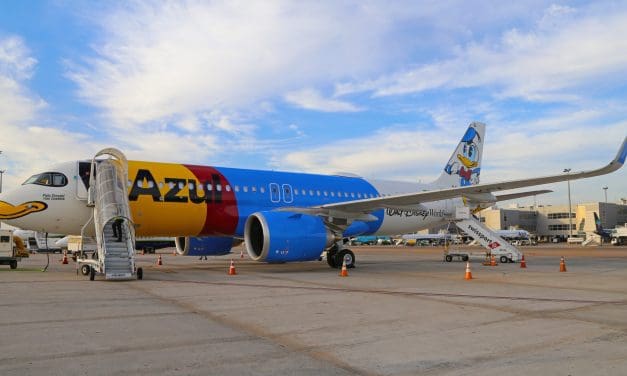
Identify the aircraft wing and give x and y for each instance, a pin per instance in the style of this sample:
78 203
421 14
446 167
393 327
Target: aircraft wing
410 199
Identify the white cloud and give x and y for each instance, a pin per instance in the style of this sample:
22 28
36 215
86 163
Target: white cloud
296 129
311 99
158 60
168 146
566 50
26 145
15 60
390 153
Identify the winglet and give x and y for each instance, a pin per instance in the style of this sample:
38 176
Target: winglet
614 165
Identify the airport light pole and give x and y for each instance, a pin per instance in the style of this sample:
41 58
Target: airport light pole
605 189
570 214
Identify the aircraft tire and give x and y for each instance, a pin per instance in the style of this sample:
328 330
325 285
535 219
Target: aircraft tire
464 257
342 255
13 264
504 259
448 258
85 269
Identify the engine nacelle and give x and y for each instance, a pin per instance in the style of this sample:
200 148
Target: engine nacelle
203 246
278 236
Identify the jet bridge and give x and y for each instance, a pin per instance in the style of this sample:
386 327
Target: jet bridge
115 254
495 245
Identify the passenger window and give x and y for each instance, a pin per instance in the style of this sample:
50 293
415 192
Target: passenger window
332 194
228 188
181 185
287 193
254 189
317 193
325 193
219 187
191 186
237 188
209 187
358 195
245 188
262 189
353 194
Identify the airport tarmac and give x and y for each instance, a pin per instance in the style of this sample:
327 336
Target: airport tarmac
402 311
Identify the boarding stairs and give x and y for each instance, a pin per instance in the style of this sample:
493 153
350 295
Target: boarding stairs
108 197
495 245
592 239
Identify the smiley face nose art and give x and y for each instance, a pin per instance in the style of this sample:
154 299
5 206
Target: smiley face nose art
9 211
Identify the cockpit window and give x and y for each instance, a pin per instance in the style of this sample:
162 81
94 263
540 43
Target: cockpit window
50 179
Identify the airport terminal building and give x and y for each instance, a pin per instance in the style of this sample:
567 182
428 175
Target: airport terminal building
550 222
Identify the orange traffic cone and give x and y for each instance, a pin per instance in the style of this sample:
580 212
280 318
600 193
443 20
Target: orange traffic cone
241 254
562 265
487 260
344 271
64 258
523 264
468 272
159 262
493 261
232 269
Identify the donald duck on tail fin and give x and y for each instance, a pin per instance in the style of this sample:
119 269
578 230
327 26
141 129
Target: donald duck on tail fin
464 166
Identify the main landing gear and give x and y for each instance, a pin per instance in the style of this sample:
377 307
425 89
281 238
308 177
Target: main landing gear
336 256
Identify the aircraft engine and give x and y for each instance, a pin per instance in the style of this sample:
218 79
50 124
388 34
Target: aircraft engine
203 246
279 236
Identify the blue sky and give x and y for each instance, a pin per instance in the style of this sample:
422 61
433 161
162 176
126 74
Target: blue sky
370 87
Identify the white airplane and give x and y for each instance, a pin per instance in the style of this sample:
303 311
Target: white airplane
514 234
282 216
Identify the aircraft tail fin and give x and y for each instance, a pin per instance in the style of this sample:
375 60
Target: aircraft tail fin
597 222
464 166
599 228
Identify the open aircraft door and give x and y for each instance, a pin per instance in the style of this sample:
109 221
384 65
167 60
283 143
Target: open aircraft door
82 180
